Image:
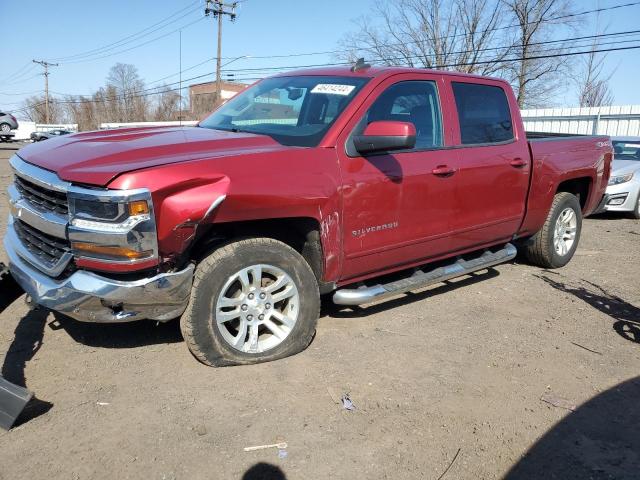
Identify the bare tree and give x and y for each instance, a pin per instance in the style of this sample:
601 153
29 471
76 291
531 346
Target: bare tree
82 111
487 37
34 108
536 79
128 86
123 99
167 104
593 85
203 103
438 34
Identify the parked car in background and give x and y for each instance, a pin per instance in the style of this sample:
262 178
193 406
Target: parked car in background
39 136
7 122
623 192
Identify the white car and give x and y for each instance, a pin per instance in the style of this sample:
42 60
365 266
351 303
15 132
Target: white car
623 192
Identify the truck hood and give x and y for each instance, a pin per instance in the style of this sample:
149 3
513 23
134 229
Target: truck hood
96 158
620 167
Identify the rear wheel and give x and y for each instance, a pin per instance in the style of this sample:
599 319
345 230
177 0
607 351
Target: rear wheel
5 127
554 245
252 301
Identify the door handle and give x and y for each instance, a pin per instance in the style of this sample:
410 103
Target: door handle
443 171
518 163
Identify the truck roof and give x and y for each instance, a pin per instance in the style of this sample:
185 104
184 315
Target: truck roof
373 72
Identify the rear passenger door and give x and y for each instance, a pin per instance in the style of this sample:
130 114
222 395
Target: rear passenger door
494 163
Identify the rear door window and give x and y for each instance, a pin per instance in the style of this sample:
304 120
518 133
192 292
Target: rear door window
483 113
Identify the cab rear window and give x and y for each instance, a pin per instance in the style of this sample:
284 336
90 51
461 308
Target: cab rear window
483 113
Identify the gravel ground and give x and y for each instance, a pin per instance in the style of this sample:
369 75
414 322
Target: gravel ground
514 373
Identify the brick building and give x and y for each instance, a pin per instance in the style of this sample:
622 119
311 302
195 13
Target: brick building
202 96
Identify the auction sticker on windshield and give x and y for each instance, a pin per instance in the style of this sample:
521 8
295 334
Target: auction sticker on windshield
333 89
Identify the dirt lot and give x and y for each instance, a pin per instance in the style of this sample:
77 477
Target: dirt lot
465 372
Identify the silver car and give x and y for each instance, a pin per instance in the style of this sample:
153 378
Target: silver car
7 122
623 192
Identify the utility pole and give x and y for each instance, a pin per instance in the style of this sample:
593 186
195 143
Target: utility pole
219 9
46 66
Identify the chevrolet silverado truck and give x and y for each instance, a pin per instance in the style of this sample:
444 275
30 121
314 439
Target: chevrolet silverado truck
362 183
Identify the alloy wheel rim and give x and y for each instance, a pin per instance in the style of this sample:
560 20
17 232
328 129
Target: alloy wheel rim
564 234
5 127
257 308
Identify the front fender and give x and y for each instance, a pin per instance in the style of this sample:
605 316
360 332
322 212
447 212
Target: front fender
181 211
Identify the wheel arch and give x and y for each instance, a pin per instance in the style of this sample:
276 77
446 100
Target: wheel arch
581 187
300 233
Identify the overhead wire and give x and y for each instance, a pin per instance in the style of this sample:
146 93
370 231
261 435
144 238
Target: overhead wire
133 37
532 57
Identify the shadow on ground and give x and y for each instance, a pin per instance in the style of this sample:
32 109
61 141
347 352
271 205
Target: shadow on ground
338 311
600 440
118 335
264 471
27 340
625 315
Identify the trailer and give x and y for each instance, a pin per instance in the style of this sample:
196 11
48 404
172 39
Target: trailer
7 136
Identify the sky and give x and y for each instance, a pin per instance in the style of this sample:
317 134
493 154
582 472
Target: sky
55 30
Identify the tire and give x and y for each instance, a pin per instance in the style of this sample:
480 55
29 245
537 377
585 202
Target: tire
5 127
221 304
636 213
541 249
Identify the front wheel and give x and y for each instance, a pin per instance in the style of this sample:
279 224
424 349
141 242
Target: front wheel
636 212
554 245
252 301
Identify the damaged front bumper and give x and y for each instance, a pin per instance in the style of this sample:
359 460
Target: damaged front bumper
89 297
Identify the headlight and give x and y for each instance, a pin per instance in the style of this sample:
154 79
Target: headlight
105 216
618 179
112 225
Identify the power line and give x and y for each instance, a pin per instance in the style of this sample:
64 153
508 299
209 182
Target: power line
134 36
533 57
161 89
20 72
502 47
135 46
514 25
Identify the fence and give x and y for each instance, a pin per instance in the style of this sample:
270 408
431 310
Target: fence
620 121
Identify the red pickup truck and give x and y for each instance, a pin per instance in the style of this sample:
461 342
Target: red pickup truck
307 183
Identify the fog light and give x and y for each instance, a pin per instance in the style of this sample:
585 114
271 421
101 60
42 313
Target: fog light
116 253
617 200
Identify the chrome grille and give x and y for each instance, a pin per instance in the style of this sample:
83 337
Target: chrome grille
42 198
48 249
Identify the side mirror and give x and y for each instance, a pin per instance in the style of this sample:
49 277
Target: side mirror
384 136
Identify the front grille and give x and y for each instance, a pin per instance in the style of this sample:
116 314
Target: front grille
43 198
49 250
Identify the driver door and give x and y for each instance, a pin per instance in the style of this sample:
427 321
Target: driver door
397 207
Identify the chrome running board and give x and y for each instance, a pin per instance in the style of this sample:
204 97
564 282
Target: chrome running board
421 279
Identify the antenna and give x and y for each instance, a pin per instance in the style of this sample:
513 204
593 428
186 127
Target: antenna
360 65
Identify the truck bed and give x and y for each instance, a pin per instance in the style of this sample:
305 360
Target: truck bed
535 136
558 158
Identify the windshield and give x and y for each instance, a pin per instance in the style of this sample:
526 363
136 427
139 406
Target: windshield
625 150
295 111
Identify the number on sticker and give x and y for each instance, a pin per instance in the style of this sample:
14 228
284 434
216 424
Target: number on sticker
333 89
